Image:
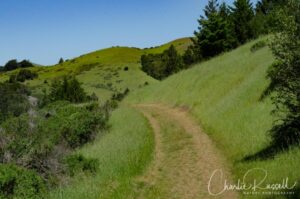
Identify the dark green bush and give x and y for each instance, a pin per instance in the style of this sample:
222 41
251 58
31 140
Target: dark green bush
162 65
19 183
258 45
22 76
14 64
78 163
13 100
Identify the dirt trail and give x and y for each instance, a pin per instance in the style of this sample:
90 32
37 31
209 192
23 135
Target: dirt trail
185 158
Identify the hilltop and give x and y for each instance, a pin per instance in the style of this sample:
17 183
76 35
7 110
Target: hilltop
102 72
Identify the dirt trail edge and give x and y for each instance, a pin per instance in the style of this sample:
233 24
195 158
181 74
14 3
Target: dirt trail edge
185 158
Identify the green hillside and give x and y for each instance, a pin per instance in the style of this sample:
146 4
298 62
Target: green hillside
223 94
102 72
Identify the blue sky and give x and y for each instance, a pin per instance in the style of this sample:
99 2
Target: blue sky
45 30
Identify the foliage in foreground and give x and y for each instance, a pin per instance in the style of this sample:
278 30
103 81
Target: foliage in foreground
40 142
285 76
19 183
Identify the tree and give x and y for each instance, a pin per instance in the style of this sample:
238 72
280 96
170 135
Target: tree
211 7
224 11
173 61
162 65
285 76
242 15
68 89
61 60
14 64
25 64
189 56
215 33
266 6
11 65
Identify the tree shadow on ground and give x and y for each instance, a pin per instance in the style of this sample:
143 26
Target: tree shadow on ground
267 153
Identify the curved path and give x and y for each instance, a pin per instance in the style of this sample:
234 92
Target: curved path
185 158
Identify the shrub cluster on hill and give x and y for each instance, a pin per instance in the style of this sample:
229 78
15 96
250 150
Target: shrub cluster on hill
41 143
16 182
23 75
162 65
36 145
68 89
14 64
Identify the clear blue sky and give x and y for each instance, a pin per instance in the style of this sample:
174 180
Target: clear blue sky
45 30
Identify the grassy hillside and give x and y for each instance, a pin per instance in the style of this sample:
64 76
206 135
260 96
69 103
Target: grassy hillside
102 72
223 94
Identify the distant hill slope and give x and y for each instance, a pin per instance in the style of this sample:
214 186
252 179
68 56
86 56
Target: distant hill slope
103 72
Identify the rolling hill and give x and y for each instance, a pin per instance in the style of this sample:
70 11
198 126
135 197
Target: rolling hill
102 72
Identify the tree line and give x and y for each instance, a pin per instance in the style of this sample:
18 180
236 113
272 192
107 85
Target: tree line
14 64
221 28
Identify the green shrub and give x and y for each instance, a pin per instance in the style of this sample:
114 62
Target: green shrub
19 183
14 64
258 45
59 128
162 65
13 100
23 75
78 163
68 89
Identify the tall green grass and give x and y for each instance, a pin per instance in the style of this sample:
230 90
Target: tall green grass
123 153
223 94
